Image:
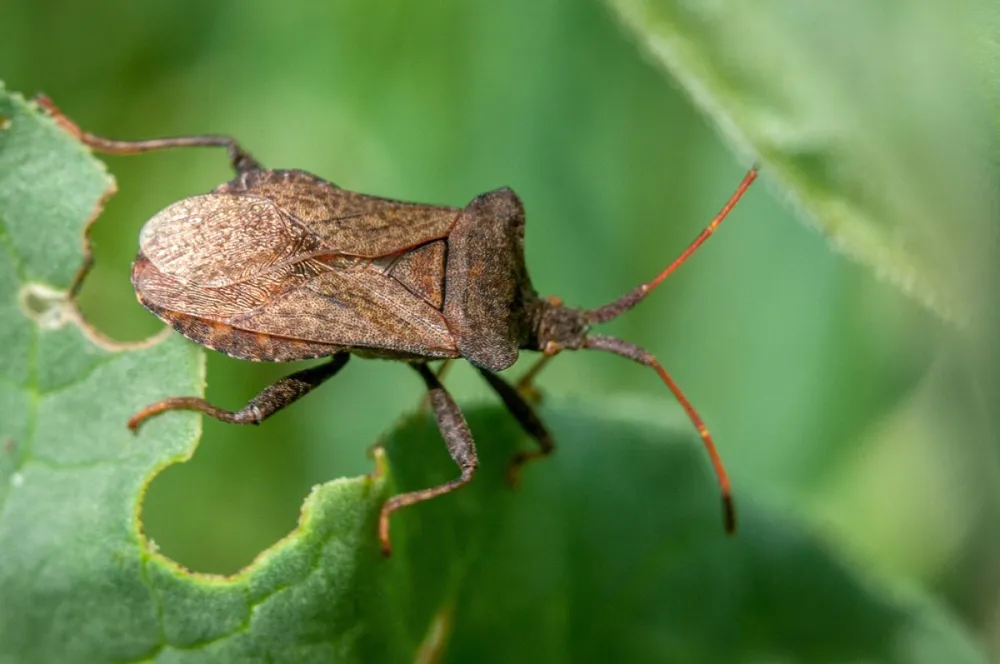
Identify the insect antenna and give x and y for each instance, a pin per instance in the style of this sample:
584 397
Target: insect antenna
628 350
636 295
642 356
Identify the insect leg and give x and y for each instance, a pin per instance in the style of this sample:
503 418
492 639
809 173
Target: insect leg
442 369
461 447
526 383
525 414
240 159
269 401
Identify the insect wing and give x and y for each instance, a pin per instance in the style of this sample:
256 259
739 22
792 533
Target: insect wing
359 307
346 222
217 240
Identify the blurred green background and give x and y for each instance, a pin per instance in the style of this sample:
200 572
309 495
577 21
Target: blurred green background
829 393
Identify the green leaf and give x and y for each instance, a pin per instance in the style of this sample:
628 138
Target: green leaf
611 550
878 119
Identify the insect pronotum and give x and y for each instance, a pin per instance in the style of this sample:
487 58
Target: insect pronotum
279 265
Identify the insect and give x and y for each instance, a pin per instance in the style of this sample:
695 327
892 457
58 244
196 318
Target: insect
280 265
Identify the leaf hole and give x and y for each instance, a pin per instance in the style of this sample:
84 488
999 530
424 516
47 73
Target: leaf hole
243 489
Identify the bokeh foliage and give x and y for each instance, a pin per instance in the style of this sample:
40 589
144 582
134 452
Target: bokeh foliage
831 394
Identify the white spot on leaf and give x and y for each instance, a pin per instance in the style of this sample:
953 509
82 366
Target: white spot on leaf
47 307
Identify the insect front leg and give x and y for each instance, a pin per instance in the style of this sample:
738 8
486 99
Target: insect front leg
269 401
526 383
461 447
525 414
239 158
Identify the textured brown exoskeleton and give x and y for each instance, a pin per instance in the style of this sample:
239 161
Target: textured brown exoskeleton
279 265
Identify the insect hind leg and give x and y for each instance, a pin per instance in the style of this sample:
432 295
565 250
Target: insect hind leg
525 414
461 447
241 160
269 401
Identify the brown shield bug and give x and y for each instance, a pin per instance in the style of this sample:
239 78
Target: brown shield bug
279 265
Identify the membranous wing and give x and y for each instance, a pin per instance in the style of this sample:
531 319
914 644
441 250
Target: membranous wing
359 307
268 219
306 262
